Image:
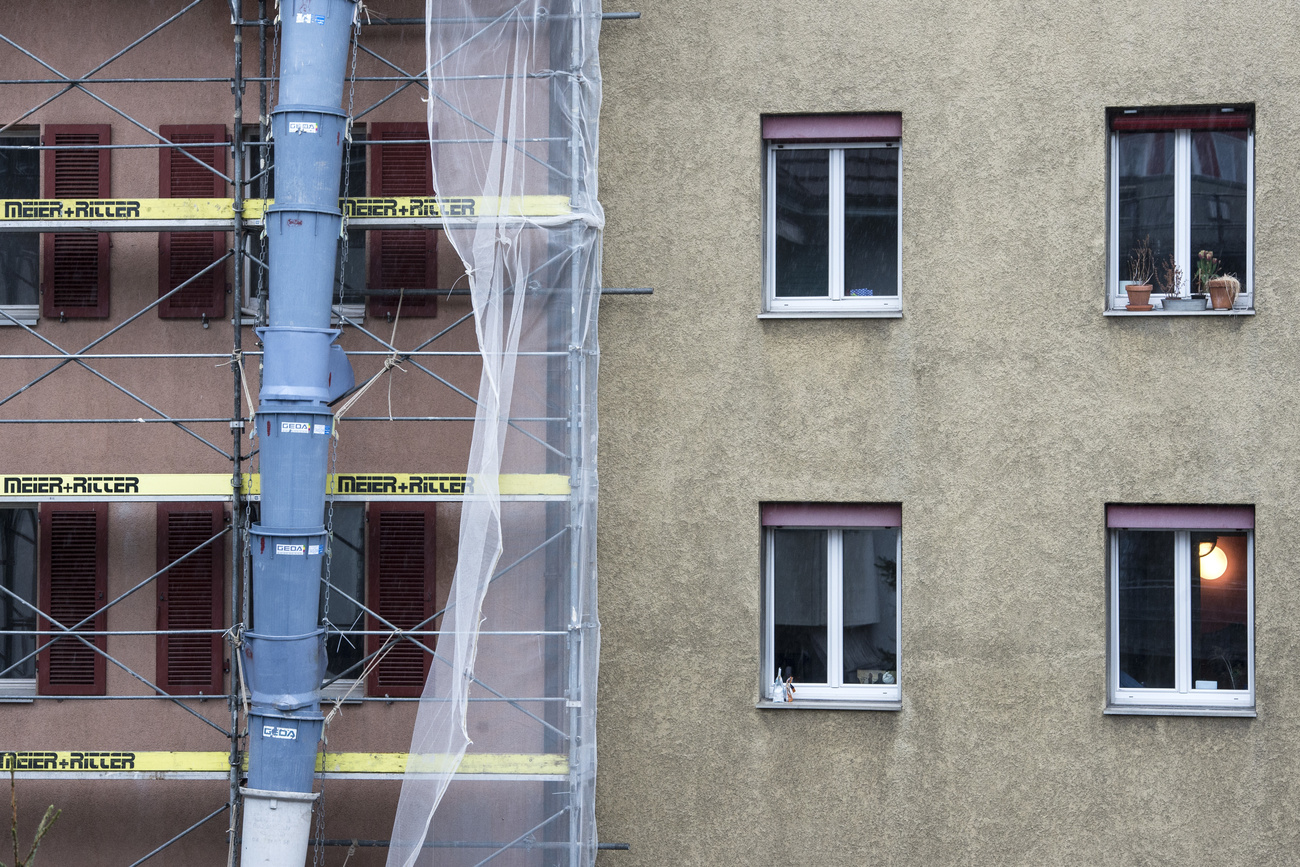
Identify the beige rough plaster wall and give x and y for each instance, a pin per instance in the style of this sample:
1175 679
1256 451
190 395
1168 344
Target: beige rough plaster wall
1003 411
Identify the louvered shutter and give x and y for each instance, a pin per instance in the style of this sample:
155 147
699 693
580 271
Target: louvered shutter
405 259
75 282
400 551
74 557
181 255
189 597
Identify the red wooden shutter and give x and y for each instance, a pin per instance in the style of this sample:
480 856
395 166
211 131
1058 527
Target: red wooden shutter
181 255
400 551
189 597
406 259
75 281
74 560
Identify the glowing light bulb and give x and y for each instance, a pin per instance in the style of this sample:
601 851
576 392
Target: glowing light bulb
1213 561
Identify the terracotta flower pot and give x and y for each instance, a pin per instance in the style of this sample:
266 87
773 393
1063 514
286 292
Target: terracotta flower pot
1139 297
1220 297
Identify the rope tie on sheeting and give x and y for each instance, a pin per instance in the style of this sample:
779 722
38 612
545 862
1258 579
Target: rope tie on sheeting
361 678
237 359
235 635
393 361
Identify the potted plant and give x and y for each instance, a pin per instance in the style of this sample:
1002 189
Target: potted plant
1141 268
1170 282
1223 288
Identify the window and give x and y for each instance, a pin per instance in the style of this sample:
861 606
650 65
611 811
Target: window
833 244
1181 609
20 178
73 574
1182 179
831 602
190 598
405 259
382 556
75 282
352 301
181 255
345 642
18 534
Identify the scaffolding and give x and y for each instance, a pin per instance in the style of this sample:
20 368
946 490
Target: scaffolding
557 491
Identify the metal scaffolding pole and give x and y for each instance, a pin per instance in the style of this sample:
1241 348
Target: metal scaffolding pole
236 436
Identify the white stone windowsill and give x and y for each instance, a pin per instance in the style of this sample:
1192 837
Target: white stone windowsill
832 314
1121 312
1174 710
829 705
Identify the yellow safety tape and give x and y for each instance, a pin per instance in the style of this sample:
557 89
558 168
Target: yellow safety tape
128 761
510 484
117 485
475 763
117 760
397 207
145 485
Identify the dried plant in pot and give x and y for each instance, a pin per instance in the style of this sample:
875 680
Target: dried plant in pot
1141 270
1224 291
1222 288
1170 282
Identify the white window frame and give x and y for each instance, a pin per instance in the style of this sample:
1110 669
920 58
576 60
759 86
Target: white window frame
1117 299
23 689
1183 697
351 689
836 303
26 314
888 696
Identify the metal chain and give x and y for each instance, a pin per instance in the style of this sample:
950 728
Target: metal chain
318 851
275 49
261 311
343 268
347 153
317 858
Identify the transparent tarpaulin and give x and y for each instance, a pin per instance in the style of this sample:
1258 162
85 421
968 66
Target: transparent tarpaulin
513 109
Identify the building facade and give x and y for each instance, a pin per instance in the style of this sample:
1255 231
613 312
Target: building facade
131 473
1063 671
1021 564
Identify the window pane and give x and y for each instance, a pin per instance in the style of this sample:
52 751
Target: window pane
1219 610
870 619
1146 195
1219 199
802 223
1146 609
354 280
347 573
799 604
870 222
19 251
18 575
354 175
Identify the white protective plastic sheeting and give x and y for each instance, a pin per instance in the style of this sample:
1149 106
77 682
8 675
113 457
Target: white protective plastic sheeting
513 109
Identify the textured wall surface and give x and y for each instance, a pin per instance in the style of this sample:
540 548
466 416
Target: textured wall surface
1003 410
